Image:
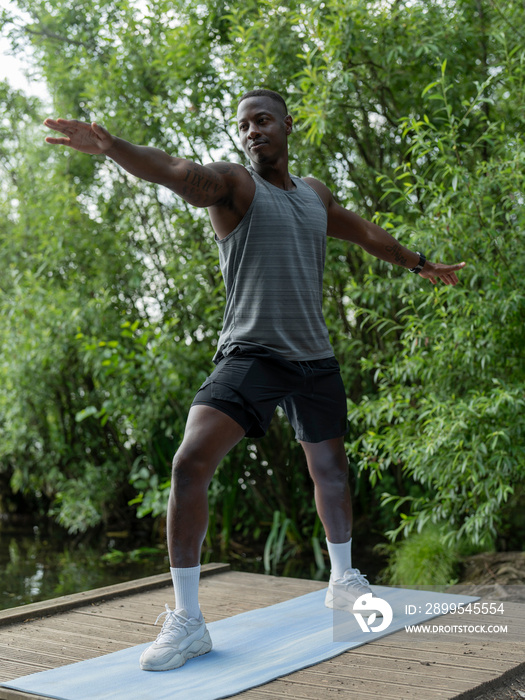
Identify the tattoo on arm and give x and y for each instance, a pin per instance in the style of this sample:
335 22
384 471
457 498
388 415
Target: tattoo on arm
202 186
198 184
397 255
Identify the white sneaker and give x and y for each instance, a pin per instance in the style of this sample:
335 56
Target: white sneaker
180 639
343 592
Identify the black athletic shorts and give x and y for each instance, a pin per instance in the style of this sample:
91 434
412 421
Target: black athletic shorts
249 385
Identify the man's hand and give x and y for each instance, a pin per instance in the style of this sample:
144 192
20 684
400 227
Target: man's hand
437 271
87 138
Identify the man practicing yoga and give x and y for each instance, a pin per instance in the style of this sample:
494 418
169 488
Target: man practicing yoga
274 349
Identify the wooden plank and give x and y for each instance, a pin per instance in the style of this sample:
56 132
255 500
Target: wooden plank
77 623
350 665
9 694
15 668
30 644
416 681
369 653
76 618
44 658
63 631
416 674
351 689
275 690
271 692
499 649
77 645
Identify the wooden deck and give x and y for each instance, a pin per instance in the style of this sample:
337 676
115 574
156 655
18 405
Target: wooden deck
82 626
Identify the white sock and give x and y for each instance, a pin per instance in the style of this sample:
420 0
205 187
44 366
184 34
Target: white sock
186 585
340 558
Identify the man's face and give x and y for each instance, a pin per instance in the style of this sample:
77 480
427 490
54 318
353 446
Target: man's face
263 129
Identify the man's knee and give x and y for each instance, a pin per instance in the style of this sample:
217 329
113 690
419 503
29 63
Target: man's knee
190 466
331 473
328 465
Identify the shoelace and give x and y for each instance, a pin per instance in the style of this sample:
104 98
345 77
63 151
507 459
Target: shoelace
356 577
173 619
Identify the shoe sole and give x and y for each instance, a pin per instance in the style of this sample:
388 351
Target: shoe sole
197 648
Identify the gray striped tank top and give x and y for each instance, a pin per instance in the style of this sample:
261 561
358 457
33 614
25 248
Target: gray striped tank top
272 264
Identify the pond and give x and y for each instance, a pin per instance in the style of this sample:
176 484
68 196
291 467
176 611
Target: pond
42 562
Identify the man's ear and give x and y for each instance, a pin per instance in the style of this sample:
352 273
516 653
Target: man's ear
288 120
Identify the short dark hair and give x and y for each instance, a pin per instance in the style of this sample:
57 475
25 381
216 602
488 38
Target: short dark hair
262 92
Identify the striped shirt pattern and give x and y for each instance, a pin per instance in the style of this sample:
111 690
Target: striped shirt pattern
273 264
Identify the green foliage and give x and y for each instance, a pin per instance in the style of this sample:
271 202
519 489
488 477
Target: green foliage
111 297
431 557
449 408
142 554
426 558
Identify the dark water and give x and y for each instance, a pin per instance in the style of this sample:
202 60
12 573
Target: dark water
39 563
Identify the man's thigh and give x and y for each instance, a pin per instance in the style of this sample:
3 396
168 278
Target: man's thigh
210 432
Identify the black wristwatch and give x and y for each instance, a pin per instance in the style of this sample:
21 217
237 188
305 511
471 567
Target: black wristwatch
422 260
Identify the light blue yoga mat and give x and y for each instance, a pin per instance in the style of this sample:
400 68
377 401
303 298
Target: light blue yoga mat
248 650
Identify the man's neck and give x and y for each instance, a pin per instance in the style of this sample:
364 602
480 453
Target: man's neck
275 174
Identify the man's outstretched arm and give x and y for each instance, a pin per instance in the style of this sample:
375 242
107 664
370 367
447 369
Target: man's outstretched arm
344 224
202 186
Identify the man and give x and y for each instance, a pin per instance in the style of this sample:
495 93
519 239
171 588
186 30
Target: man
271 231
